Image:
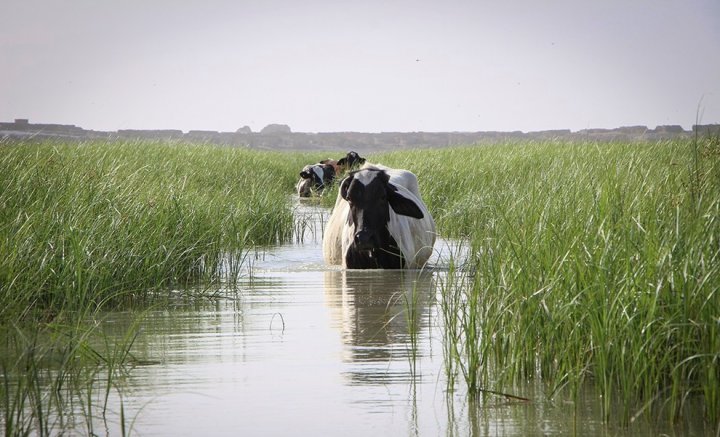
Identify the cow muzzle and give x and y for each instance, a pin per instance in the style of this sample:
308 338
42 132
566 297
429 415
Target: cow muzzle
365 240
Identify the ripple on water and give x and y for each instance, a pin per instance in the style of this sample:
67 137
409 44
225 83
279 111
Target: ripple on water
307 349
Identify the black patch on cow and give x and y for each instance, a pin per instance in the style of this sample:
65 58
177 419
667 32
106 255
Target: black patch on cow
389 257
328 174
351 161
373 246
401 204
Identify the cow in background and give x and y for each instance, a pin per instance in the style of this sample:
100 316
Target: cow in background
314 178
334 163
350 162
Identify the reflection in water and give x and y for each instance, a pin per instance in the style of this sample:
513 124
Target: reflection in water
379 313
342 358
299 348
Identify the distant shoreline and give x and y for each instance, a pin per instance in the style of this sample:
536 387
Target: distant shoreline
280 137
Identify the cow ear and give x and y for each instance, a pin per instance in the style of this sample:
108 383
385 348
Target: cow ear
345 186
402 205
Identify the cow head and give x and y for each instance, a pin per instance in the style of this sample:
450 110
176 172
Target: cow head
350 161
314 177
304 187
310 172
371 196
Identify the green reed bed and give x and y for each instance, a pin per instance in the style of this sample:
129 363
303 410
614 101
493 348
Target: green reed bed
109 225
94 222
57 380
592 262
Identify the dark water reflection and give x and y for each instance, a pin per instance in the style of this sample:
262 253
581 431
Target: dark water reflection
371 312
299 348
315 351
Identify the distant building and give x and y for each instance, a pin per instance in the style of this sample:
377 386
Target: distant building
669 128
709 129
276 129
633 130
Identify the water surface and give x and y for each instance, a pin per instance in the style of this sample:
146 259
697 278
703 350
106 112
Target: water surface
300 348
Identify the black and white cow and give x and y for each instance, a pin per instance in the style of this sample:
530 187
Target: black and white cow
379 221
350 161
314 178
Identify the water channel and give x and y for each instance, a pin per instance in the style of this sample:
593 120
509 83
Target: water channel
300 348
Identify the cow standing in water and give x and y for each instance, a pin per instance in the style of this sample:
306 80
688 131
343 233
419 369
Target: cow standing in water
379 221
314 178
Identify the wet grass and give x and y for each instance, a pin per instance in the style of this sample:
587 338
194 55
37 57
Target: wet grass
593 263
99 224
89 227
57 380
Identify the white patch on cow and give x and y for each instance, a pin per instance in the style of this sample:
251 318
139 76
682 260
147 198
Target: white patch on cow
303 187
398 177
415 237
365 177
319 172
336 231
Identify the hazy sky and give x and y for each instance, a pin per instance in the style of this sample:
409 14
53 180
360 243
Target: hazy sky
371 66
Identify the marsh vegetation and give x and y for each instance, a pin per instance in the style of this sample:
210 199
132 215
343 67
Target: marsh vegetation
85 228
590 264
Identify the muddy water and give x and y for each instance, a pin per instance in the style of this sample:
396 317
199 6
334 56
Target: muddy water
299 348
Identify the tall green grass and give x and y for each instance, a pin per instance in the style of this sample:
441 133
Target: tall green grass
592 263
95 226
86 225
